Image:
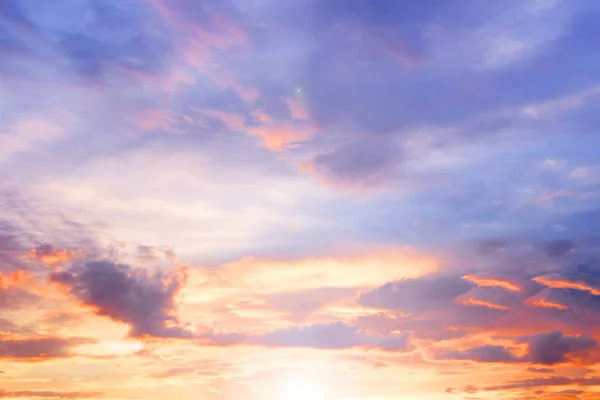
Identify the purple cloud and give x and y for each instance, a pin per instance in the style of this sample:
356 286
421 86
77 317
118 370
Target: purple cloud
133 296
553 347
485 354
547 348
368 163
333 336
417 295
40 349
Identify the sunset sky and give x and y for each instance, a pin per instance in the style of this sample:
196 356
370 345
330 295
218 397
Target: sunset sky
299 199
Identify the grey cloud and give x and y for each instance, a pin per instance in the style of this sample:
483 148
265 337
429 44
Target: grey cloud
105 38
129 295
10 250
366 162
547 348
544 382
16 297
336 335
558 247
333 336
485 354
40 349
540 370
417 295
553 347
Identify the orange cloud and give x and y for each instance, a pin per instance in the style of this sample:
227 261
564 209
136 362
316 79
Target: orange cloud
469 301
268 293
360 270
275 136
545 304
51 256
278 137
492 282
556 282
16 279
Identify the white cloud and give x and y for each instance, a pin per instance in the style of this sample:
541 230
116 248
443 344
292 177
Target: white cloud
28 135
515 35
198 202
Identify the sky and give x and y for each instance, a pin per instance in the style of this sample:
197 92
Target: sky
300 199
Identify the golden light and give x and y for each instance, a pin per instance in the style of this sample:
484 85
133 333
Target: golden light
301 391
300 388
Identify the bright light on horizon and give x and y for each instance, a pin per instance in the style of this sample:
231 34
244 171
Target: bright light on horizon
301 388
302 391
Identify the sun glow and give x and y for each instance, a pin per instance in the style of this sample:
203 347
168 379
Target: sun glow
301 389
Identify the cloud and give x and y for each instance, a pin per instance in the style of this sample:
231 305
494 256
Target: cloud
85 43
10 250
538 383
148 254
29 225
361 163
547 348
134 296
358 268
544 303
333 336
48 394
390 64
431 303
417 295
300 305
48 255
272 293
558 248
39 349
540 370
544 382
500 282
94 58
12 10
469 301
14 290
554 348
7 326
556 282
205 367
486 354
167 203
